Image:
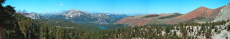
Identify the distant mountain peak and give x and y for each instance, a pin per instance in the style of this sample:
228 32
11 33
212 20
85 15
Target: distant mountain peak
32 15
202 7
73 13
74 10
22 11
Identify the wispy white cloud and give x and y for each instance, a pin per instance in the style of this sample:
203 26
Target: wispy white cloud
61 4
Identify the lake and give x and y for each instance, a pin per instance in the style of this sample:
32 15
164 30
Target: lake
101 27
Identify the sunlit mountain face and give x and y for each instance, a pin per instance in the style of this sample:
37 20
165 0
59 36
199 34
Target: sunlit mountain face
114 19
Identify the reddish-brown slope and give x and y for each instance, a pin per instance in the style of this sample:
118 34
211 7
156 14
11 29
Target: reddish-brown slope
201 11
127 20
142 22
145 21
138 21
215 12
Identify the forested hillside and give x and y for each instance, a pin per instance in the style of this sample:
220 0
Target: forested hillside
178 31
16 26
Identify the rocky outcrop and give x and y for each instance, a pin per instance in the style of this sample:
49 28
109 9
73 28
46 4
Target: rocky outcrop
32 15
223 14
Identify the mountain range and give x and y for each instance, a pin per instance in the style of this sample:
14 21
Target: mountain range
81 17
201 14
33 15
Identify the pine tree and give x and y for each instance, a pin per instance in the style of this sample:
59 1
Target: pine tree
228 27
25 27
226 37
6 17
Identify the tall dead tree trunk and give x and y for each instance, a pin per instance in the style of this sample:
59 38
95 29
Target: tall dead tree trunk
2 32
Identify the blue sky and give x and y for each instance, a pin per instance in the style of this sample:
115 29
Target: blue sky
116 6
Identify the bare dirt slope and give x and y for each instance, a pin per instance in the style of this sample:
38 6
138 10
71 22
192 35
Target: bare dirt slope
204 12
139 20
201 14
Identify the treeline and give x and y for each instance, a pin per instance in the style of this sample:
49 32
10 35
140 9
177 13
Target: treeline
150 16
170 16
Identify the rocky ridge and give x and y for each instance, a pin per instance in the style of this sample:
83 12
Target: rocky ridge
32 15
223 14
82 17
